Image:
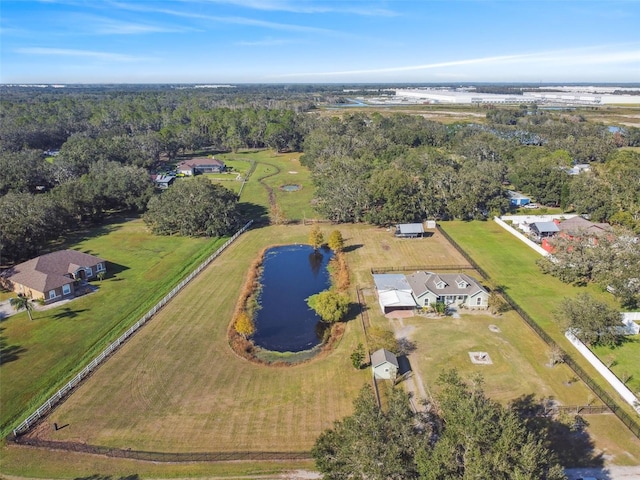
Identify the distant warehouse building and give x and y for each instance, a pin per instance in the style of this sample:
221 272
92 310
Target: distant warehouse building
469 96
581 98
432 95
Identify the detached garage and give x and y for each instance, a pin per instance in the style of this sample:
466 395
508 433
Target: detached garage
394 292
409 230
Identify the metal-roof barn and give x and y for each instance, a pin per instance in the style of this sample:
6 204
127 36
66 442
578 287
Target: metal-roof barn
409 230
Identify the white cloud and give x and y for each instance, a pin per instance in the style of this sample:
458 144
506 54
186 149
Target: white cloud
67 52
592 56
236 20
300 6
107 26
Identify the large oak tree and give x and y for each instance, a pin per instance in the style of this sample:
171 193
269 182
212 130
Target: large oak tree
193 207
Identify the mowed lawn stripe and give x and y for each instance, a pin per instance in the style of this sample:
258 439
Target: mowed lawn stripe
59 341
177 386
511 264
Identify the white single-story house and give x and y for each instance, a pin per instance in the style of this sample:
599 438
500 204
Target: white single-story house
384 364
409 230
394 292
457 289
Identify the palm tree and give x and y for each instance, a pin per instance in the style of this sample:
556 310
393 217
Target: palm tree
21 302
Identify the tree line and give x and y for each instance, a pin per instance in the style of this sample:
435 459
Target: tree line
375 168
402 168
460 434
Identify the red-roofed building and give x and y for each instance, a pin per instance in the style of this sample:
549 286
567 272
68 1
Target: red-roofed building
578 227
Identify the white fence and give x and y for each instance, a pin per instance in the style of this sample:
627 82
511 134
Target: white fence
608 375
521 237
64 391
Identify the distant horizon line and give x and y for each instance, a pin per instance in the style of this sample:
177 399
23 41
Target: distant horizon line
232 84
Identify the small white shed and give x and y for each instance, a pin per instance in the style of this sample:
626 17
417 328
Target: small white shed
384 364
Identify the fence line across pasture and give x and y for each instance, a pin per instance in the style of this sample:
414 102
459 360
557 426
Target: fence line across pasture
582 409
174 457
64 391
630 422
417 268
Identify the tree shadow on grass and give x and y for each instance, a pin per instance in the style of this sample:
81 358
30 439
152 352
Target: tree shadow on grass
67 313
97 476
351 248
9 353
567 434
255 212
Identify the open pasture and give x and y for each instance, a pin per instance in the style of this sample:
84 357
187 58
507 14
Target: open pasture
511 264
39 356
178 387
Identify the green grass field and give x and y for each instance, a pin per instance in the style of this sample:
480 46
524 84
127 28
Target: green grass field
511 265
177 386
46 353
272 172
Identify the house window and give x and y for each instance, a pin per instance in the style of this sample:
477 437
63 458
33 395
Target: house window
99 267
89 271
449 299
52 294
441 285
479 301
66 289
426 301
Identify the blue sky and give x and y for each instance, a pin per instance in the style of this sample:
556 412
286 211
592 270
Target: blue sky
309 41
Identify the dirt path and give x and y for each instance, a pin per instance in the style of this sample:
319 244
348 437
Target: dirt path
413 382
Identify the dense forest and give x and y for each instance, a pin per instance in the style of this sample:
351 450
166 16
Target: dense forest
367 167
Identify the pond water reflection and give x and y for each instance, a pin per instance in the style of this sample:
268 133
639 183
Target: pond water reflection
291 274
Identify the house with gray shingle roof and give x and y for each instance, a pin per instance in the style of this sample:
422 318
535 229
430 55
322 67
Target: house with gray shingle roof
53 276
201 165
458 289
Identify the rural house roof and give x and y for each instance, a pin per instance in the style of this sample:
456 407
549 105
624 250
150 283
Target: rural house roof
545 227
410 228
396 298
578 225
381 356
391 281
162 178
443 284
52 270
201 162
393 290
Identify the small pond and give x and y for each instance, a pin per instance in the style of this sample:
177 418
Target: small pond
290 187
291 274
